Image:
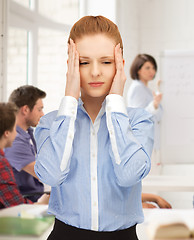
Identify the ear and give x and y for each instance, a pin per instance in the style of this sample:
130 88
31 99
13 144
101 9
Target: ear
25 109
6 133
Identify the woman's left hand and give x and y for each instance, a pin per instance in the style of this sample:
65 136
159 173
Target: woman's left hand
120 77
157 98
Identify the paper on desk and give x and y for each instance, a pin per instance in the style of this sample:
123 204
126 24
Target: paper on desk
38 211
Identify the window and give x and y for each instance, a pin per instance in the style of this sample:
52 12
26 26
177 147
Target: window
37 46
17 58
59 11
52 64
25 3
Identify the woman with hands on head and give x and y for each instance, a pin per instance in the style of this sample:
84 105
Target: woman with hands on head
93 151
143 70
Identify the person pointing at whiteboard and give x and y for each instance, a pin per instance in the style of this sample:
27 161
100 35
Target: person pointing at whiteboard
143 70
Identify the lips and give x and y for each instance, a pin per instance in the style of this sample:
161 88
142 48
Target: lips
96 84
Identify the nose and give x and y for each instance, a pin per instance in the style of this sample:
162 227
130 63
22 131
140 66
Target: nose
42 113
95 69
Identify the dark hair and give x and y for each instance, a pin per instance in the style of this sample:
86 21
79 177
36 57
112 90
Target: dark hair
90 25
26 95
7 117
138 62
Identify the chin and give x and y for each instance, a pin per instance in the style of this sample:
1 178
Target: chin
100 96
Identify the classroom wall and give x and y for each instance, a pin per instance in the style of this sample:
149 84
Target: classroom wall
166 24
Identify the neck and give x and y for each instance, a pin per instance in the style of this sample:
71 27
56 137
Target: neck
21 123
92 106
2 143
144 82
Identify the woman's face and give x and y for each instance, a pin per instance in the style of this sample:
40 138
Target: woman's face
147 72
97 64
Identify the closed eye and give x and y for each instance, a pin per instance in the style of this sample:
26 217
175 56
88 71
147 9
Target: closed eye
84 63
107 62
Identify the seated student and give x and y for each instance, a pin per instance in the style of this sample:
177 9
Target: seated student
22 154
9 192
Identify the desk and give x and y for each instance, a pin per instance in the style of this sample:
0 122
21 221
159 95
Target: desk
168 183
15 211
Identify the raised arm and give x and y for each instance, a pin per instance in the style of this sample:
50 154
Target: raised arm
55 132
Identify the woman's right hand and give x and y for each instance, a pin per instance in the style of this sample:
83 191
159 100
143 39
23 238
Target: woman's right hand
73 74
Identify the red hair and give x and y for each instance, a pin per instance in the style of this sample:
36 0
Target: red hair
91 25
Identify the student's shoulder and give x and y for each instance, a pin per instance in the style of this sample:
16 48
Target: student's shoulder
3 162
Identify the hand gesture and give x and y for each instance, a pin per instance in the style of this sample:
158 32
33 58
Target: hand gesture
157 99
120 78
73 74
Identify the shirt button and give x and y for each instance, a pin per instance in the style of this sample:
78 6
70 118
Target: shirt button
93 155
94 178
73 112
95 204
93 133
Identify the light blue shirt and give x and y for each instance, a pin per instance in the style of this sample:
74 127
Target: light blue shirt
140 96
95 169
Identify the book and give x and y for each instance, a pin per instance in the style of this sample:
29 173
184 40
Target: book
18 226
170 224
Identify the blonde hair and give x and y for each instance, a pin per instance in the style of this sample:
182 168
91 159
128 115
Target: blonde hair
90 25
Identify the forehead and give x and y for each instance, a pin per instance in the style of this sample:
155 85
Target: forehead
148 64
98 45
39 103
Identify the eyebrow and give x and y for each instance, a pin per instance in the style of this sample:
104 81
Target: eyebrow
105 57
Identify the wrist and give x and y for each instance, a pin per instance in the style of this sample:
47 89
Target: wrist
155 105
72 94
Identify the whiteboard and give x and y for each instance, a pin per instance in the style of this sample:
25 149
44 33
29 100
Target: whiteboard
177 125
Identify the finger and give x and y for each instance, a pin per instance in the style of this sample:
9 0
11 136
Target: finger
118 57
71 56
76 63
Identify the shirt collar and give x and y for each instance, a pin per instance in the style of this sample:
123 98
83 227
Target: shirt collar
23 133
